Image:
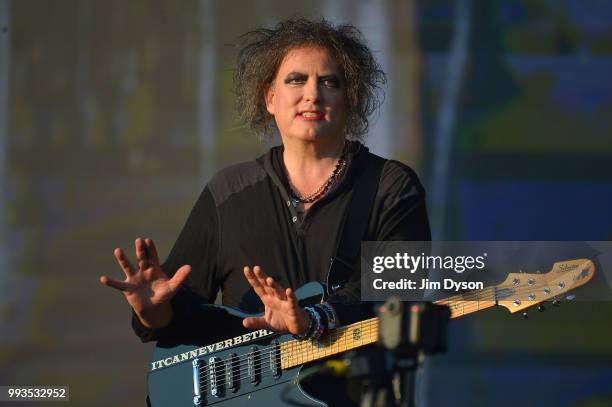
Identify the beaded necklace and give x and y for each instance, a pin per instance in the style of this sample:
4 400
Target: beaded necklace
297 198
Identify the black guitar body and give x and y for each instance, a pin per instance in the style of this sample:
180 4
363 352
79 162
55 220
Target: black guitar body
243 369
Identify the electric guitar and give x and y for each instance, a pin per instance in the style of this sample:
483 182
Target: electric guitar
263 367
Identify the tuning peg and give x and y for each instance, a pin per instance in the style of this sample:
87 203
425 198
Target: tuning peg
541 308
570 297
525 315
556 302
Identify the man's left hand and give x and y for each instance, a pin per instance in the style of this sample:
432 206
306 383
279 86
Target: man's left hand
282 312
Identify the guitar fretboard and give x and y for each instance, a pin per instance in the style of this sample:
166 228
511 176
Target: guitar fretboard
295 352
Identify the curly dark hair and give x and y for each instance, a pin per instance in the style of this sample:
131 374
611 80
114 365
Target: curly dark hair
263 50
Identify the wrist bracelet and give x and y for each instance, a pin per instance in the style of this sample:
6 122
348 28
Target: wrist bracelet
318 328
323 316
309 330
330 313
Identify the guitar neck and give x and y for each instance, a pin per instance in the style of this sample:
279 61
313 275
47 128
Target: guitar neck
295 352
339 340
469 302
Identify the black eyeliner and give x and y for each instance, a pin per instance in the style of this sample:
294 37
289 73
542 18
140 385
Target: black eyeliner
295 76
332 78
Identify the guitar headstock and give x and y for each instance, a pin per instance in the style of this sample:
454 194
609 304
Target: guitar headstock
523 290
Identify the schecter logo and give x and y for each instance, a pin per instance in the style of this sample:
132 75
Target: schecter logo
568 267
204 350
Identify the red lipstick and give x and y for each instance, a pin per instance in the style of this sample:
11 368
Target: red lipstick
311 115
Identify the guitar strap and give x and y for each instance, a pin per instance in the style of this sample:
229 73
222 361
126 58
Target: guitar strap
355 223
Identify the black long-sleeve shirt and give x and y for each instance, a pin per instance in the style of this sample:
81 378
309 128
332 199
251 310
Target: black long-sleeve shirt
244 216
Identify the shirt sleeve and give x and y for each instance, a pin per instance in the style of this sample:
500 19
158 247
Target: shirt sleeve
198 246
399 214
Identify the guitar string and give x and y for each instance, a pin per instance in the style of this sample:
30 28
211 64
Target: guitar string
474 296
469 298
266 351
519 291
463 307
221 383
486 294
446 301
458 298
306 352
495 295
301 358
471 303
264 363
266 374
303 345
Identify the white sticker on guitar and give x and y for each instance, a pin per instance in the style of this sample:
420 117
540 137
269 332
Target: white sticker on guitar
204 350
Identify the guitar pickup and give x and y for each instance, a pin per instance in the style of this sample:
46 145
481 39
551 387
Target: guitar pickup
215 374
232 372
199 381
254 365
275 362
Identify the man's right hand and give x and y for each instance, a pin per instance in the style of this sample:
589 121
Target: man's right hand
147 289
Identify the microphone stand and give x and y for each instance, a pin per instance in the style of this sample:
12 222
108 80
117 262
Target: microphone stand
406 333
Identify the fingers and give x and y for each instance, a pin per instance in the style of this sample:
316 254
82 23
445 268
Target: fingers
123 261
255 323
179 278
118 285
270 286
259 273
254 281
152 252
273 288
263 285
291 298
146 255
141 254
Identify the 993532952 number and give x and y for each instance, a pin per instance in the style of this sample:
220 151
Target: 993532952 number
34 393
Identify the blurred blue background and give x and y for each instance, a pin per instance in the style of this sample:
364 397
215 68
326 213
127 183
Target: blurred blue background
114 114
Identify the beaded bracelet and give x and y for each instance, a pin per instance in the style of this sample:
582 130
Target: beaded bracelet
322 319
311 325
323 315
330 314
319 328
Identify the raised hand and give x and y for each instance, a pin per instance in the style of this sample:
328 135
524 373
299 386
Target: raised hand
147 288
282 312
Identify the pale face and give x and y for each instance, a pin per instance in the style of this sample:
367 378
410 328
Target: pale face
307 97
